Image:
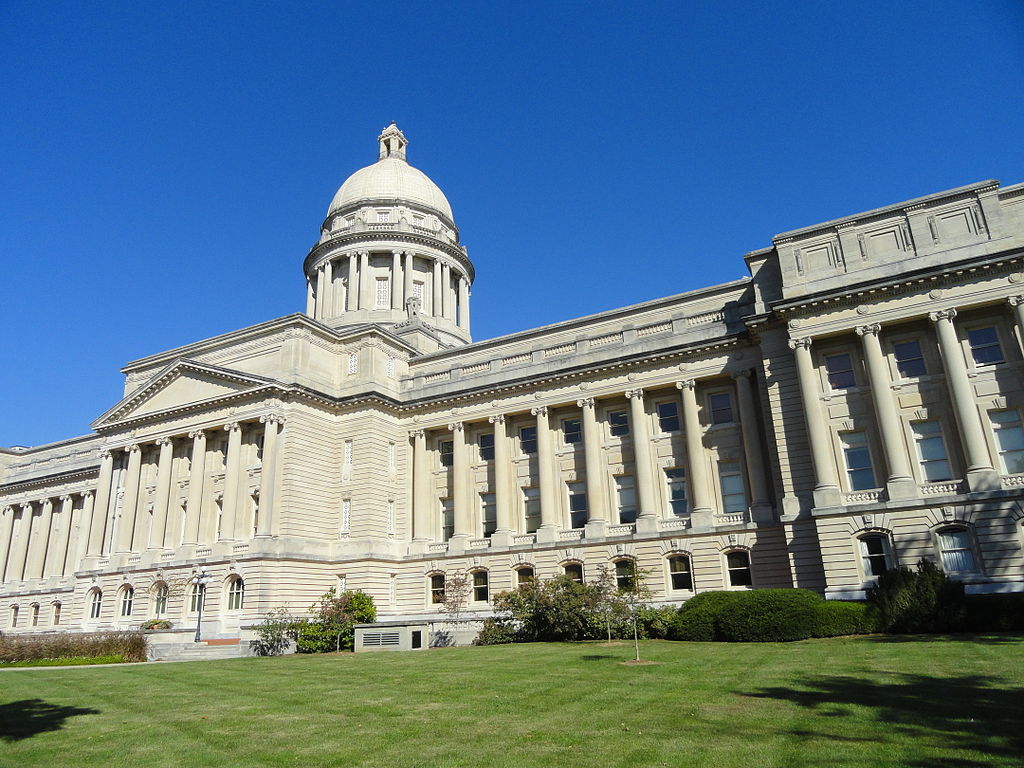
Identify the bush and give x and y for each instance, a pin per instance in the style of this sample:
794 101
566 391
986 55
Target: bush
129 645
696 619
994 613
913 602
834 618
768 615
274 633
333 622
496 632
654 623
156 624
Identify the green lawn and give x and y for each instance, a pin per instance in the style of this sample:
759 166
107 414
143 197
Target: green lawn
840 702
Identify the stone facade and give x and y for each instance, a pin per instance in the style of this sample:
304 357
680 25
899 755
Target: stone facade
853 405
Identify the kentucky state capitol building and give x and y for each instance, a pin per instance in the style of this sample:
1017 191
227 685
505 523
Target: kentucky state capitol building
854 405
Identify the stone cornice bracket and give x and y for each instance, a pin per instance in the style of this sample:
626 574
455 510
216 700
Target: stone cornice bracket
686 384
804 342
455 426
272 418
585 402
497 418
232 427
540 410
943 314
196 433
872 329
1015 301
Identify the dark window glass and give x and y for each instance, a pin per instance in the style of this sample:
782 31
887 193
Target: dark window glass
480 586
909 360
739 569
523 575
676 477
445 449
624 574
528 439
618 422
668 417
721 408
575 572
578 504
985 346
437 588
679 570
876 554
490 513
486 444
572 431
840 371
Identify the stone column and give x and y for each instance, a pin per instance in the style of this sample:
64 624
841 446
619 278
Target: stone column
981 475
504 503
698 484
365 281
321 291
6 532
826 489
39 541
77 552
407 274
550 519
101 505
328 311
1017 302
232 467
647 513
422 509
750 425
126 523
597 497
446 291
462 488
463 303
352 292
310 298
900 482
268 476
19 545
196 492
397 281
163 493
60 537
436 304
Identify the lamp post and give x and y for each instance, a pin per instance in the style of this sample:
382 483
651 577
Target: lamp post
199 581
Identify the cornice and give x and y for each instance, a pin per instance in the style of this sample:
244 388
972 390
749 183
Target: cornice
23 486
365 237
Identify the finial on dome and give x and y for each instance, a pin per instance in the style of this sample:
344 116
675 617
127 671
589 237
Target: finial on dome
392 142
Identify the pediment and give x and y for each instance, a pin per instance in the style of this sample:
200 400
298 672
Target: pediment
181 385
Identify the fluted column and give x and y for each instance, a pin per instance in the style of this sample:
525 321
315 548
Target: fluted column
365 281
397 281
1017 302
328 291
640 429
698 484
80 547
461 483
352 292
446 292
6 532
266 520
422 508
163 493
39 541
101 505
900 482
197 479
126 522
826 489
597 497
232 466
550 519
321 291
19 545
407 275
504 504
463 303
60 537
436 304
981 474
750 426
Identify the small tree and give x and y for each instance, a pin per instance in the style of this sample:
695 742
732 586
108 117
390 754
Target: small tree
273 634
609 601
635 593
456 590
334 616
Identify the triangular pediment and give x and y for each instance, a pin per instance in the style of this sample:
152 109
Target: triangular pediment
181 385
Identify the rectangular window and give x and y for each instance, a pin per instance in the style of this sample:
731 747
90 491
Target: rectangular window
931 451
955 548
876 554
1010 439
485 443
531 508
480 586
720 405
985 346
909 359
417 291
859 471
840 371
734 492
618 423
445 451
383 293
488 513
447 519
528 440
679 571
577 504
676 479
572 431
668 417
625 489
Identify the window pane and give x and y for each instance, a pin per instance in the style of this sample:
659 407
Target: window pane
679 569
668 417
572 431
739 569
909 360
486 444
985 346
721 408
445 449
627 498
618 422
528 440
840 371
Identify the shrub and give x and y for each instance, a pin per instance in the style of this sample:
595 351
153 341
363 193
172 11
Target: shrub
130 645
274 633
333 622
834 618
655 623
155 624
768 615
696 619
496 632
912 602
994 613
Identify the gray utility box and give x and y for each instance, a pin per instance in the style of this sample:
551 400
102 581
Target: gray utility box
392 636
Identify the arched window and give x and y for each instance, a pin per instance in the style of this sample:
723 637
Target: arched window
437 588
236 594
56 614
160 601
480 591
14 616
35 614
625 574
876 554
956 550
524 575
574 571
127 601
95 603
680 573
738 565
195 598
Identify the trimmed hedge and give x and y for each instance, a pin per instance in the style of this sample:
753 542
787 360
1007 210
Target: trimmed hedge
835 618
130 646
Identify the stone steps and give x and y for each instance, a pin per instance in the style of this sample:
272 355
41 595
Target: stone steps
224 648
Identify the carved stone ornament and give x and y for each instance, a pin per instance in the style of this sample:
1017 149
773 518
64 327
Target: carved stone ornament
539 411
586 402
1016 277
584 385
943 314
863 309
872 329
732 538
455 426
804 343
794 323
497 418
631 377
936 294
686 384
1015 301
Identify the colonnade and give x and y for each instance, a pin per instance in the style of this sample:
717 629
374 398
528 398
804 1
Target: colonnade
981 473
600 508
327 296
50 543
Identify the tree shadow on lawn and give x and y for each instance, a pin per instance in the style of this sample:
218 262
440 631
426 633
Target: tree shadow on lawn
975 712
25 718
992 639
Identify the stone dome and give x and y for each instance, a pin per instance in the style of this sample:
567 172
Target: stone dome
391 178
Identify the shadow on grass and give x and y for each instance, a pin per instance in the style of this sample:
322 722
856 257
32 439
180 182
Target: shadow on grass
993 639
598 657
25 718
976 713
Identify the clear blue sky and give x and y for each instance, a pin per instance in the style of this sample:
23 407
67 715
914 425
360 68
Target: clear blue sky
165 169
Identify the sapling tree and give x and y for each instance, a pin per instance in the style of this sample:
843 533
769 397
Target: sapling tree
609 602
635 593
456 590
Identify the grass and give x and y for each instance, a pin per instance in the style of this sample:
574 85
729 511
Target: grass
840 702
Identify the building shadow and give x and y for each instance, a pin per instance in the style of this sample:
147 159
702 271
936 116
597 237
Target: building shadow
975 712
994 639
25 718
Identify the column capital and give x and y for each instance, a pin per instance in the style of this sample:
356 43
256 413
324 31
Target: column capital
746 373
1015 301
455 426
540 410
26 506
634 393
65 497
686 384
585 402
8 509
942 314
195 433
105 453
417 433
88 494
871 329
271 418
233 426
165 441
497 418
133 448
397 252
801 343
